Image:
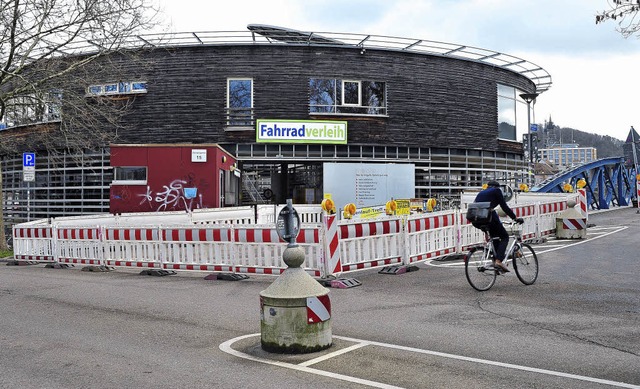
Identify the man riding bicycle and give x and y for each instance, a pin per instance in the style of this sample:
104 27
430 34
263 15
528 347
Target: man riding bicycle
493 194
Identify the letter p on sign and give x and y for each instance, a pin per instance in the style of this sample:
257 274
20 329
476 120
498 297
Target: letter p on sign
28 159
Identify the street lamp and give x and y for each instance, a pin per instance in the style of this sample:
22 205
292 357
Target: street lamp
529 98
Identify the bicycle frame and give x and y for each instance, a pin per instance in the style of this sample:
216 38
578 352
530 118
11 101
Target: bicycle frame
491 249
480 268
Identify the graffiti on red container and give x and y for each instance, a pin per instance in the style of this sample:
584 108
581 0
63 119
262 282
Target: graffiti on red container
174 196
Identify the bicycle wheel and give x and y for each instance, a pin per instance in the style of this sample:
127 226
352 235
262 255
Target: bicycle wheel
525 263
479 270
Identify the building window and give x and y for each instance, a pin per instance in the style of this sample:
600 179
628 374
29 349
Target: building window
329 96
240 102
33 108
351 92
130 175
512 113
117 88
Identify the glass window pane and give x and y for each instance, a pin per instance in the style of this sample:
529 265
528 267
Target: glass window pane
506 118
373 94
351 93
124 87
240 93
139 86
322 92
506 91
130 173
95 89
521 119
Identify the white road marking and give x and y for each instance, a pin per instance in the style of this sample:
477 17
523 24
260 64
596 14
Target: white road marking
226 347
333 354
540 250
556 244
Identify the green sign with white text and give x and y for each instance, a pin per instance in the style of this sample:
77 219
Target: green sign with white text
301 131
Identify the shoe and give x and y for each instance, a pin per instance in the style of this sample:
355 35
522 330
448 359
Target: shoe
501 266
488 267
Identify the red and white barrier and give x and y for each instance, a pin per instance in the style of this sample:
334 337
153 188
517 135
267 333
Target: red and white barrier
33 243
367 244
79 246
548 212
431 235
131 247
331 248
528 213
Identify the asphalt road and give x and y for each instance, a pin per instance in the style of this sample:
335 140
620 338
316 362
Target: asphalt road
577 327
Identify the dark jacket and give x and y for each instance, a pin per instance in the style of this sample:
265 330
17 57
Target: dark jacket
495 197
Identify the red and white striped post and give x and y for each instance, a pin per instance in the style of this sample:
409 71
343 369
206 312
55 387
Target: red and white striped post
582 203
333 265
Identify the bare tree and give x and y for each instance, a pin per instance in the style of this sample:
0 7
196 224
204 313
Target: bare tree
625 12
49 49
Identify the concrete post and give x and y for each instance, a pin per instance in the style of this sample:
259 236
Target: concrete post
571 224
295 310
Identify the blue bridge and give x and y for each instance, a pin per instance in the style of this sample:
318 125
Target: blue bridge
608 182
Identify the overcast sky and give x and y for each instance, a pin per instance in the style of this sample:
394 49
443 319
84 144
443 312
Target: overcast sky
593 68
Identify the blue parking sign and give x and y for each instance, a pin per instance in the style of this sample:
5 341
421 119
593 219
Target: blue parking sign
28 159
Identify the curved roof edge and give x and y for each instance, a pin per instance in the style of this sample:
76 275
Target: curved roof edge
265 34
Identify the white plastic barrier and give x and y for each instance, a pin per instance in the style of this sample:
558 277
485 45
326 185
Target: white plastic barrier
33 242
548 212
215 248
235 215
258 249
365 244
431 235
206 248
469 236
309 213
131 247
530 216
81 245
520 198
331 248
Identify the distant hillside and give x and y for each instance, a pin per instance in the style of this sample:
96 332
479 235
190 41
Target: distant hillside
553 135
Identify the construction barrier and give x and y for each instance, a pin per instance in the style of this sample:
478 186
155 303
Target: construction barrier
132 247
366 244
547 214
431 235
78 245
33 242
331 247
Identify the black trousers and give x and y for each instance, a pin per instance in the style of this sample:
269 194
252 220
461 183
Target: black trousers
497 230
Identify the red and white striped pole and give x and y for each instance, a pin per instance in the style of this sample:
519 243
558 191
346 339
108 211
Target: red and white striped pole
582 203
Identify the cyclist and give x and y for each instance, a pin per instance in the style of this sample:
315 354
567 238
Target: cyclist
493 194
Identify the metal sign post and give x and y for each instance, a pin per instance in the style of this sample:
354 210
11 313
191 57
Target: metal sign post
28 176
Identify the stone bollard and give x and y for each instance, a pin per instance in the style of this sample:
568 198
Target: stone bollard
295 310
